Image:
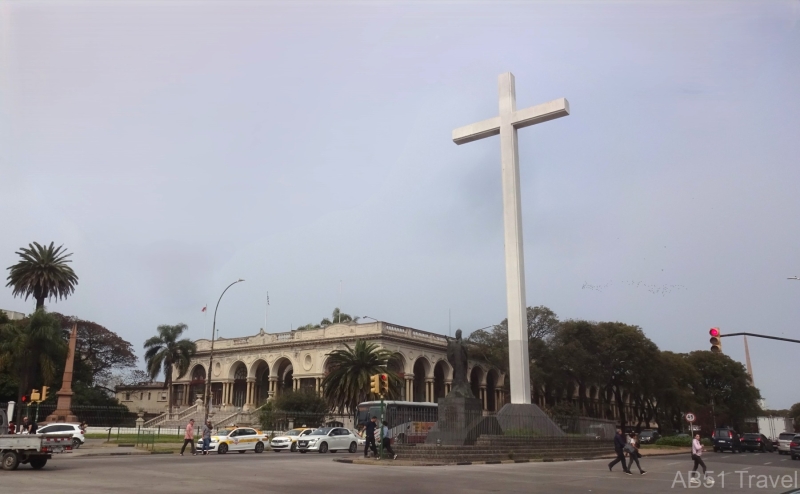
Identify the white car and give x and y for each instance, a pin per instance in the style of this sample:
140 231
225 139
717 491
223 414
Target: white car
288 440
331 439
241 439
359 438
78 437
784 442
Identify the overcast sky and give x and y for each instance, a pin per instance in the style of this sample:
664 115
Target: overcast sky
306 147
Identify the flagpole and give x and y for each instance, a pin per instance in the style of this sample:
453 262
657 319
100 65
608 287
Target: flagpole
266 312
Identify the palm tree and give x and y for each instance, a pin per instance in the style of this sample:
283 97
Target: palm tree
347 383
32 350
43 273
338 317
166 351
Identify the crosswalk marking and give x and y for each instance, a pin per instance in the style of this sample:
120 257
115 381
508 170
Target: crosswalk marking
768 463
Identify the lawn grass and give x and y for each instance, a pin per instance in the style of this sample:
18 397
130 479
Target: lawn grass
131 438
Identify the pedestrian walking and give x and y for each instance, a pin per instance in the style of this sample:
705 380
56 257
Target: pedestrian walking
206 436
188 438
632 448
387 440
697 452
369 436
619 446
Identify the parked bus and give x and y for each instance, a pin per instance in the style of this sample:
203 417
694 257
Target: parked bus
409 421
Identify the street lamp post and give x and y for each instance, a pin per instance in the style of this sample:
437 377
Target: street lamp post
211 355
794 278
369 317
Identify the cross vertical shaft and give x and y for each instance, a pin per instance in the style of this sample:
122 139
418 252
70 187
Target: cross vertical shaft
506 124
518 358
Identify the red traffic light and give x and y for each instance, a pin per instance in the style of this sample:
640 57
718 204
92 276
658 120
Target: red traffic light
25 399
384 377
713 331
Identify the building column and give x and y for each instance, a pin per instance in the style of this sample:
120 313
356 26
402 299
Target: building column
409 387
273 383
318 385
186 395
429 390
448 385
483 396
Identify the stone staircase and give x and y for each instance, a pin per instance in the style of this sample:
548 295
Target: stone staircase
496 448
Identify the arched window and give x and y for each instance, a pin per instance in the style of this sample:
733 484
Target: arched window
240 374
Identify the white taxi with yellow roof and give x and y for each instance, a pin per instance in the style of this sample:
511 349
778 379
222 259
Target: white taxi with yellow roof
288 440
241 439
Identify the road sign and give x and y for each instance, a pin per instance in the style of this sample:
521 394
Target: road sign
690 417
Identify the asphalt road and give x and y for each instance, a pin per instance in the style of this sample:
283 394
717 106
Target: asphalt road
292 473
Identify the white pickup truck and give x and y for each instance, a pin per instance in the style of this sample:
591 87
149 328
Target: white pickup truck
34 449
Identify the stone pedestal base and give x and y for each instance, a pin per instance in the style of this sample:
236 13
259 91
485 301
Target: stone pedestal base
460 422
62 416
524 417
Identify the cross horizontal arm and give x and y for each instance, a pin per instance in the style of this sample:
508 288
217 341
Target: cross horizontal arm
473 132
541 113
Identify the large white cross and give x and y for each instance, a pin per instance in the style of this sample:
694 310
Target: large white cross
506 125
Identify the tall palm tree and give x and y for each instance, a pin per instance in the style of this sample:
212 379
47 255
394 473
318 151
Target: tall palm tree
347 383
31 350
43 273
166 351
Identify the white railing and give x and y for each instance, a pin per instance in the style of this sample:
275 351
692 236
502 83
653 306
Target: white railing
157 420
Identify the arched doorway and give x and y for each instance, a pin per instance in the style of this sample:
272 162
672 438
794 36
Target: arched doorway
475 380
491 390
285 374
260 372
440 374
397 365
421 367
239 395
197 385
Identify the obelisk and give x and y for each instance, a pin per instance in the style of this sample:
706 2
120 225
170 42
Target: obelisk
63 412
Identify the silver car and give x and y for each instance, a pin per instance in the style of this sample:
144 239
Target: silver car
784 442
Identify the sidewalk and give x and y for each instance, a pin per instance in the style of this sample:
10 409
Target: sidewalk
98 447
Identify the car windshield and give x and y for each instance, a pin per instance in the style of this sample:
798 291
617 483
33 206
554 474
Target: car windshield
291 433
786 436
223 433
646 434
321 432
752 436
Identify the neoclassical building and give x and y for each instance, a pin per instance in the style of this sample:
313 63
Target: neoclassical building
249 370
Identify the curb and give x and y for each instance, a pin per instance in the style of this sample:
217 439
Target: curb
487 462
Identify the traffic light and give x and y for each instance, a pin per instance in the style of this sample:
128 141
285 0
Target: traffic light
25 400
384 384
374 384
715 340
35 396
44 392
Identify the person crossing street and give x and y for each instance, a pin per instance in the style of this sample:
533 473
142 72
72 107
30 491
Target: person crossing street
387 440
697 452
369 436
188 438
619 446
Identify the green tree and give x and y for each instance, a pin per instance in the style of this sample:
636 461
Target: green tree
725 388
347 383
305 407
31 350
675 392
165 352
336 317
794 413
42 273
492 346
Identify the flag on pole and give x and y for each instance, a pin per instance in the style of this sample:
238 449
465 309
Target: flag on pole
267 298
204 308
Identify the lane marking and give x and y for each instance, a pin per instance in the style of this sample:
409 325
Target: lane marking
674 463
725 457
783 459
768 463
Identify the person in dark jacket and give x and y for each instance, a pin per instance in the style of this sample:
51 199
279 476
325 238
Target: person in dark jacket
619 446
369 435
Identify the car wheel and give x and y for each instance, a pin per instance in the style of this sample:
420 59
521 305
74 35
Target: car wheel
260 447
10 460
293 449
222 449
353 447
38 463
76 443
323 448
